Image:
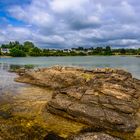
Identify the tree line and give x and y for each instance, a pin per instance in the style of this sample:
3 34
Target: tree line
29 49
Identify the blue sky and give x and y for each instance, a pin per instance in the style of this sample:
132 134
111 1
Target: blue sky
71 23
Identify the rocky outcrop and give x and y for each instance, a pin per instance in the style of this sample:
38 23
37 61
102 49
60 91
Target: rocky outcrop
56 77
102 98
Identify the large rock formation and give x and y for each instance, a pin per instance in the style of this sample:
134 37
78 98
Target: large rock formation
102 98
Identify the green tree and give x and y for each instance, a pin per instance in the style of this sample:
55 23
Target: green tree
97 51
0 51
46 52
16 52
35 52
73 53
139 51
107 51
13 44
122 51
28 46
82 54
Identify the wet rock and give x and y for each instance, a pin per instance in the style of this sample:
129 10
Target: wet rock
102 98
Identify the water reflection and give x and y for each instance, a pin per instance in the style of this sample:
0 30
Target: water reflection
4 66
7 83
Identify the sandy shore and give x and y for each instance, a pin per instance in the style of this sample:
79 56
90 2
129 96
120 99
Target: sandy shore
5 56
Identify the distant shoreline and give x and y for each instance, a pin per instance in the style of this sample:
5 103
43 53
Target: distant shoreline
16 49
71 56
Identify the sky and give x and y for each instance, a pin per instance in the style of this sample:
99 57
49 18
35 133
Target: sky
71 23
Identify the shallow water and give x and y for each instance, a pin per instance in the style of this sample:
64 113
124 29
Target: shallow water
7 83
23 112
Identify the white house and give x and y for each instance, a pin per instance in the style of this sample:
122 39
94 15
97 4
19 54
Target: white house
66 50
5 50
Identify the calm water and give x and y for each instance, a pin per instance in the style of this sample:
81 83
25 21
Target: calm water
7 84
130 63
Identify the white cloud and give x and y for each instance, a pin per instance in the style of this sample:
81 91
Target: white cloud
125 42
33 14
75 22
53 39
16 33
67 5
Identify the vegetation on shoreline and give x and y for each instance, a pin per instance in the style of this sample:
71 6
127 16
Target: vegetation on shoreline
16 49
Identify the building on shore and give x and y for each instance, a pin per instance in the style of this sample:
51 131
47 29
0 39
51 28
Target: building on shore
5 50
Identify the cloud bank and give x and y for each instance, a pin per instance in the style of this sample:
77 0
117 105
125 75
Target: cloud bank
71 23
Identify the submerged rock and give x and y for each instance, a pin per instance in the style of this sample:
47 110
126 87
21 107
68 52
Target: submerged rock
102 98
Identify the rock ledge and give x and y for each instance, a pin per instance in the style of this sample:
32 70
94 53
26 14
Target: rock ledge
102 98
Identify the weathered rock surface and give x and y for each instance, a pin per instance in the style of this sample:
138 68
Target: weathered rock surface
93 136
101 98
